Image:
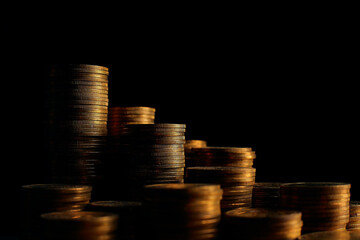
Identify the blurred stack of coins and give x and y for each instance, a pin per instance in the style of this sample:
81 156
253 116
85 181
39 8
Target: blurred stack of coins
332 235
189 145
44 198
261 223
154 154
182 211
237 183
76 121
114 169
130 215
324 205
222 157
266 195
354 222
84 225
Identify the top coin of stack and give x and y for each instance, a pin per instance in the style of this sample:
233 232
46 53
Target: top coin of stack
222 156
266 195
76 120
332 235
261 223
130 215
121 116
324 205
354 223
182 211
155 154
84 225
43 198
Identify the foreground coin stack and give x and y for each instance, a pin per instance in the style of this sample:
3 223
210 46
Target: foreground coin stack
154 154
119 118
130 215
236 182
83 225
324 206
266 195
332 235
261 224
222 157
76 121
182 211
44 198
354 222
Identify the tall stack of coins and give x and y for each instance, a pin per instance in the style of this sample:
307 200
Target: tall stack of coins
130 214
332 235
260 223
155 154
76 121
266 195
324 205
354 222
43 198
237 183
222 157
182 211
115 168
80 225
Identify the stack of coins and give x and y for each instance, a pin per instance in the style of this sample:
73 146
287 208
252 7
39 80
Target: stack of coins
222 156
182 211
261 223
119 118
84 225
237 183
43 198
130 215
76 121
154 154
324 205
266 195
332 235
354 222
189 145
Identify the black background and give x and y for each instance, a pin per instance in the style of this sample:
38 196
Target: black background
285 86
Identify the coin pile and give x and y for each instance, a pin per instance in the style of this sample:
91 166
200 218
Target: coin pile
236 182
84 225
182 211
44 198
222 156
354 223
332 235
266 195
261 223
324 205
154 154
189 145
76 121
130 215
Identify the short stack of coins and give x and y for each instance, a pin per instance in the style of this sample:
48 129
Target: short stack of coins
237 183
84 225
222 156
354 222
119 118
266 195
76 121
324 205
130 215
261 224
182 211
332 235
189 145
44 198
154 154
